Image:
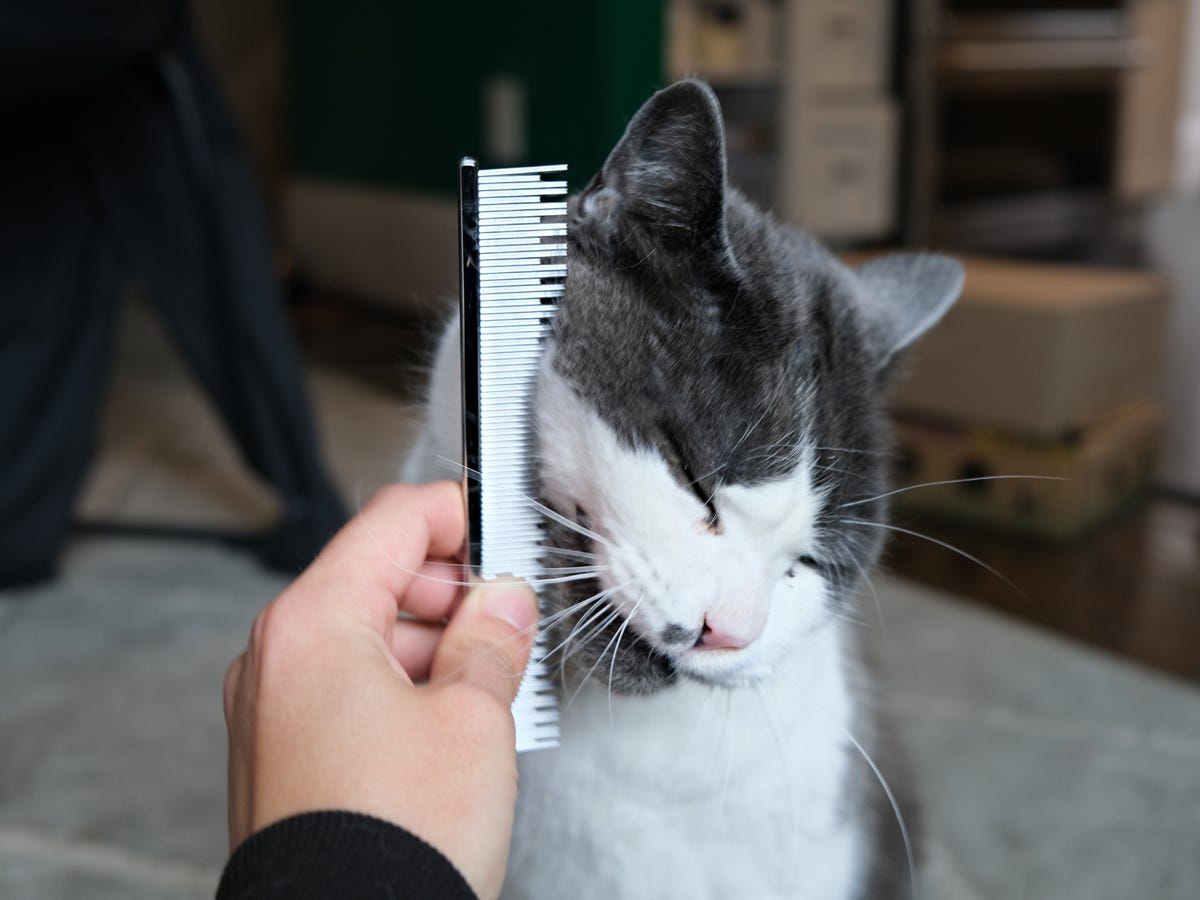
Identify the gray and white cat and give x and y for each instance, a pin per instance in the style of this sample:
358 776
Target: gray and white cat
711 431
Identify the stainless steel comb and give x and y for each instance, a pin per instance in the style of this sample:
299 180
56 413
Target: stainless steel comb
513 253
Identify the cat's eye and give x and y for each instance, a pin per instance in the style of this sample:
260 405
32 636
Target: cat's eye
806 560
673 453
581 517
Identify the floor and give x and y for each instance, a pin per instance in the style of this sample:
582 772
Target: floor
1051 771
1131 588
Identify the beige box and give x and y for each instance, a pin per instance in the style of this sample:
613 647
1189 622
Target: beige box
842 182
1101 470
1039 349
844 44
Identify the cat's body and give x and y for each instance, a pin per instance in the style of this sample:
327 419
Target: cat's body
710 423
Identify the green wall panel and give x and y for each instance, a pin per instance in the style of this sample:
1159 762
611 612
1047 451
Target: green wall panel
391 93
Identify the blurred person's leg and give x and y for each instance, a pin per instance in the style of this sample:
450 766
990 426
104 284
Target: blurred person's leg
177 182
167 181
59 286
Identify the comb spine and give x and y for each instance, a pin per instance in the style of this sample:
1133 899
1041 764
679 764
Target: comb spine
468 287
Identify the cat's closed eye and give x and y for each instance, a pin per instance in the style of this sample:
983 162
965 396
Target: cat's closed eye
805 560
672 452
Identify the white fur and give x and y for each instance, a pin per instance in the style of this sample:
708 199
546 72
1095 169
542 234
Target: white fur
730 783
694 792
437 454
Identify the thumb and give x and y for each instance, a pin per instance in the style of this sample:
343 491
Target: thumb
488 641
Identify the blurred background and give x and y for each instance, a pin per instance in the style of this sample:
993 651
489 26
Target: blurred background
1038 619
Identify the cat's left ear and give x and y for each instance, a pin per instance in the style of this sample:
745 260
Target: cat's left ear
904 295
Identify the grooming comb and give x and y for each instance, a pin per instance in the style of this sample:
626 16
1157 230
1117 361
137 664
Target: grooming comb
513 252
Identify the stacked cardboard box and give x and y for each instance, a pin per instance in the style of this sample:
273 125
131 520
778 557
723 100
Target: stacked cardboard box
1038 370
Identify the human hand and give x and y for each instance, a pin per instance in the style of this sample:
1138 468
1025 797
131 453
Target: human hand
322 709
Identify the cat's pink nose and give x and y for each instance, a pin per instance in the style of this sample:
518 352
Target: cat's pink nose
718 635
721 640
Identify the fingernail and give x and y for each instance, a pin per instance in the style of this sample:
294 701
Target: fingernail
511 602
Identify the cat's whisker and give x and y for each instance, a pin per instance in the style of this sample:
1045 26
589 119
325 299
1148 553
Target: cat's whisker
565 522
595 605
568 552
567 570
839 471
852 450
767 457
686 753
563 575
849 618
750 430
874 596
613 665
608 619
909 854
925 537
579 576
456 466
600 609
545 623
913 487
556 617
730 731
365 524
709 474
610 615
588 674
895 804
603 593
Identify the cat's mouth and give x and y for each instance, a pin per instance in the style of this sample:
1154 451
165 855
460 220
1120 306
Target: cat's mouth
701 656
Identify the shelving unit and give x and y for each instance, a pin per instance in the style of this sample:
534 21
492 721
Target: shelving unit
1013 126
1034 126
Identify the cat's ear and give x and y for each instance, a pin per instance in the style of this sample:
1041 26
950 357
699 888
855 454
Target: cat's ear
904 295
666 176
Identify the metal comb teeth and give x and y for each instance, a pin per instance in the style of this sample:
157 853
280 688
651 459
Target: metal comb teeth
514 267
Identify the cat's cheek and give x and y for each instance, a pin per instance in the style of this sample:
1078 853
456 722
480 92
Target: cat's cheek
798 610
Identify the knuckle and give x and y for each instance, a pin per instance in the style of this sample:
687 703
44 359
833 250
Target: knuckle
277 635
391 495
263 625
230 686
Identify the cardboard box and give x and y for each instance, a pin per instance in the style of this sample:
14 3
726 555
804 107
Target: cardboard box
1040 349
843 183
846 45
1106 468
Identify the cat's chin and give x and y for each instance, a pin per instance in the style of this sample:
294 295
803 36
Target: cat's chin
721 668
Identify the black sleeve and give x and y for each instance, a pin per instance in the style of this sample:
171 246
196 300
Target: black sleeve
339 854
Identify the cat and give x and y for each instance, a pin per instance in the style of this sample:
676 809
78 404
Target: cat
712 439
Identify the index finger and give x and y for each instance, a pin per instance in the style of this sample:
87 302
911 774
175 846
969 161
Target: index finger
379 553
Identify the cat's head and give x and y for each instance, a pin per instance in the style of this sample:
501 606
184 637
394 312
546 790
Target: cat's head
710 413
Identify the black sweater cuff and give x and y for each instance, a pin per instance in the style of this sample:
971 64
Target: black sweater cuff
339 854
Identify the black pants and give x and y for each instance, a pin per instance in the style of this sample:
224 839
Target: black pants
119 156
